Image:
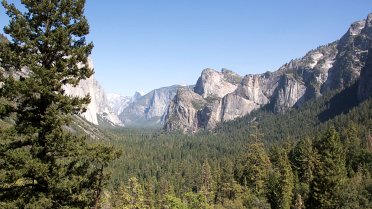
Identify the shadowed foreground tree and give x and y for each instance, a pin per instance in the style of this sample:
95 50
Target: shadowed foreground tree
42 165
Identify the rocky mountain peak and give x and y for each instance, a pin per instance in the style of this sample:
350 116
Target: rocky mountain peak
356 28
137 95
118 102
183 110
368 24
212 83
369 20
148 110
223 96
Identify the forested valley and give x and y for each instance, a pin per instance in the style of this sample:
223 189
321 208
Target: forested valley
317 156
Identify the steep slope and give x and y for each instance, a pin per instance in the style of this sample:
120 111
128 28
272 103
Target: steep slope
216 84
98 107
200 107
148 110
365 82
330 67
183 111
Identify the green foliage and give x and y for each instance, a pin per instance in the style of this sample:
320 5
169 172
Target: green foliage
256 165
207 182
172 202
330 171
304 160
43 165
281 180
356 192
176 164
3 39
131 197
196 201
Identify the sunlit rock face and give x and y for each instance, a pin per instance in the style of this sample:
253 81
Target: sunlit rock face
118 102
148 110
98 107
224 96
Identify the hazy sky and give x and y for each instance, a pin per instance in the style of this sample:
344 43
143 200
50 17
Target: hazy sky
141 45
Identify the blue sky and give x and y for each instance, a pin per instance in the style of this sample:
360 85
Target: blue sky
141 45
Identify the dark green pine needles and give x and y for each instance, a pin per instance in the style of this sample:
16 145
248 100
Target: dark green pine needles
42 165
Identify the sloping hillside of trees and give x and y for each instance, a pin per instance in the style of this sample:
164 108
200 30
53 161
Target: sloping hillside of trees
318 156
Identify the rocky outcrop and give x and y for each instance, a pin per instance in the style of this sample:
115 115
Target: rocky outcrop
351 57
183 111
333 66
289 93
216 84
148 110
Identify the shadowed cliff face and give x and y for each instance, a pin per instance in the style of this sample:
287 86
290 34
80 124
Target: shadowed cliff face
225 96
365 82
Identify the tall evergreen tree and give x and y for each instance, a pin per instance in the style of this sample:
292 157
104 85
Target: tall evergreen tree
353 148
207 183
281 180
304 160
256 165
43 165
330 171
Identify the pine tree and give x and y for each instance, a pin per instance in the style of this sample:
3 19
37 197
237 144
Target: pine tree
132 196
330 171
281 181
256 165
304 160
207 182
353 148
42 164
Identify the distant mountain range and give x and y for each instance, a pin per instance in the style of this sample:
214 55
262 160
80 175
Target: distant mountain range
224 96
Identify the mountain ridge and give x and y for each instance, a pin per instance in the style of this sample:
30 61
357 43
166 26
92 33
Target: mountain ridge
333 66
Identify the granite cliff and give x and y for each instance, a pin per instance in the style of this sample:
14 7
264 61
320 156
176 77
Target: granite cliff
98 110
223 96
148 110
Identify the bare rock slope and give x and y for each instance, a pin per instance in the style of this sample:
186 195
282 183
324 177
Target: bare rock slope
98 110
223 96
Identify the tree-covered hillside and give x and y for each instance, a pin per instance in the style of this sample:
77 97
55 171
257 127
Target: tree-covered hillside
307 157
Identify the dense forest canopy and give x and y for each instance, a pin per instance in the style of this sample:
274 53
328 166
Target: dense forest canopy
263 163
